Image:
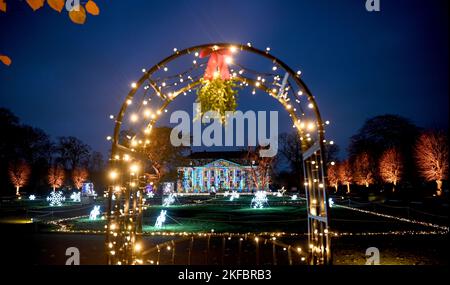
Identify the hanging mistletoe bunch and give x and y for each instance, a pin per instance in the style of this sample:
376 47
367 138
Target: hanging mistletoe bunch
218 88
217 95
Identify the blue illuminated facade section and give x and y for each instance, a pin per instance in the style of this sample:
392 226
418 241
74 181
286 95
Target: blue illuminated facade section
221 174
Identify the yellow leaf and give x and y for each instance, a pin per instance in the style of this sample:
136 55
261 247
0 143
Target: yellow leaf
3 6
78 17
35 4
92 8
56 5
5 59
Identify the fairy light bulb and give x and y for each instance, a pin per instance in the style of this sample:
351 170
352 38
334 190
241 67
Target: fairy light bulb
228 60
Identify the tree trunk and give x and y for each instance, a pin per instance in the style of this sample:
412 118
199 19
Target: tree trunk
336 187
54 189
439 187
393 187
17 191
348 188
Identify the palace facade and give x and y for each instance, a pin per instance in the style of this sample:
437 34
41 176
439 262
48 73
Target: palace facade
209 172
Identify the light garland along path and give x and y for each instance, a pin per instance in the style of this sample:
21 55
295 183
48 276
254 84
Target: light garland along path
443 228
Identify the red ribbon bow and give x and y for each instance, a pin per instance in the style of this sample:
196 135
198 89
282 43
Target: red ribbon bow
217 62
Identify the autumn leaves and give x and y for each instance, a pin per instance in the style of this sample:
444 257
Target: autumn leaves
5 59
77 12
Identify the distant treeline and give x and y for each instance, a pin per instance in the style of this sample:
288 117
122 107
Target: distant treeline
31 160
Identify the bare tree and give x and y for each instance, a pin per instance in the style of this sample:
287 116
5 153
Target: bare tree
333 176
391 167
73 153
79 175
55 176
345 174
432 157
19 173
291 151
363 169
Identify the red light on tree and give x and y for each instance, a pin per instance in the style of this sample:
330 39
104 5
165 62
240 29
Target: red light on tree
19 174
363 170
333 176
55 176
79 176
391 167
432 157
345 174
260 168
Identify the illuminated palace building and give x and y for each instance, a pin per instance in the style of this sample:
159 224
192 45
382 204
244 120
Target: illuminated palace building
218 172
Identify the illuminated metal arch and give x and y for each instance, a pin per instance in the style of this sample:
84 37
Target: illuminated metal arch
313 162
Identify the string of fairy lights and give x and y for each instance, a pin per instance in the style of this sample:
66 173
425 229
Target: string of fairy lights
163 90
148 101
400 219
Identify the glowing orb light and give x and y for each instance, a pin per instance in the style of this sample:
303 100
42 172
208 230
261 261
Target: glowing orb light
32 197
56 199
294 197
161 219
260 200
150 195
94 213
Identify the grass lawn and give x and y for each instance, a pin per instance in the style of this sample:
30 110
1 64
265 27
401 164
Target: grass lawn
282 215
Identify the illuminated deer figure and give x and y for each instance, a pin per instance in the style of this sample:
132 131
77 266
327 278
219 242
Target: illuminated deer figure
161 219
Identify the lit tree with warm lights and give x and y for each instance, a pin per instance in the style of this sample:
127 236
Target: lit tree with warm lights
260 168
432 157
79 176
55 176
363 169
345 174
19 174
333 176
391 167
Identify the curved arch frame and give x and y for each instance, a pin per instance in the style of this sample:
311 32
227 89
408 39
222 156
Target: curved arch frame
318 210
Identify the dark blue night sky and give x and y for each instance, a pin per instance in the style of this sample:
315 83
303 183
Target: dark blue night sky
67 79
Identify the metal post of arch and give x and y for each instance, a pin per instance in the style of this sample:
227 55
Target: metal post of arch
124 213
